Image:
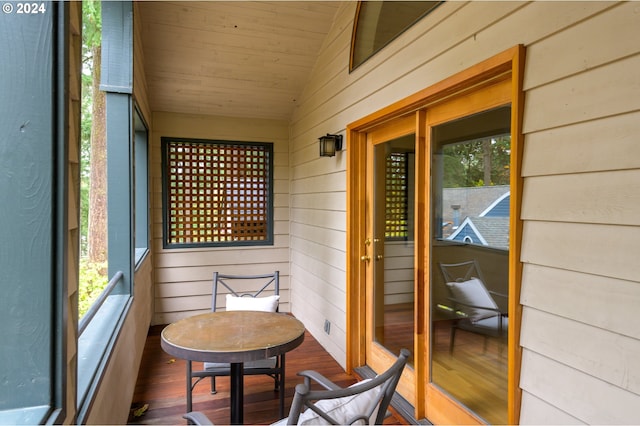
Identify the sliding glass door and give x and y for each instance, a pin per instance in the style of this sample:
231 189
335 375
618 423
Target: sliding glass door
432 243
389 243
470 194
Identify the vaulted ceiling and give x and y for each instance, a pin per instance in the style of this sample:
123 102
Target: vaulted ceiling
231 58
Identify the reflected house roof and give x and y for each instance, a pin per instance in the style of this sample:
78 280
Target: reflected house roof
490 228
472 201
499 208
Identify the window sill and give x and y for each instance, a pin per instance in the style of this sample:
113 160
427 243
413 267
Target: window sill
24 416
95 346
139 255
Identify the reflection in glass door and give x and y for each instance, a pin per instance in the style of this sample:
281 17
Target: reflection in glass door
393 244
470 195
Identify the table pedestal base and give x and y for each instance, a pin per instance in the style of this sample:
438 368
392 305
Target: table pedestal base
237 393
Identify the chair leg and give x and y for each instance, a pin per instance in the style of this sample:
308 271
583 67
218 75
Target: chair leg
278 377
281 387
452 338
189 386
213 385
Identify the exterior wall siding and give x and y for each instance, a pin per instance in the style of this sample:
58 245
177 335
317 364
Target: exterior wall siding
398 274
581 206
70 400
581 282
115 392
183 277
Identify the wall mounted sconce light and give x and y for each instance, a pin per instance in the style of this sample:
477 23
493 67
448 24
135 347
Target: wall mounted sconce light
329 144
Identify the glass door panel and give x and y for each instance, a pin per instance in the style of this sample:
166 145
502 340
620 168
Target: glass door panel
393 244
387 248
470 194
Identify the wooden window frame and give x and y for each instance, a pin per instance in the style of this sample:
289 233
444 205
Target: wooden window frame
141 187
360 27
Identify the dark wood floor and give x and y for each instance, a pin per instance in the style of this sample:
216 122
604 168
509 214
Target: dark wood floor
161 386
475 372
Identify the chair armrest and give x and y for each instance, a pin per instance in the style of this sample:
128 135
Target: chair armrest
318 378
486 308
197 418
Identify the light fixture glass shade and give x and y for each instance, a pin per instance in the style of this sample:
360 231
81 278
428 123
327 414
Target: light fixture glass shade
329 144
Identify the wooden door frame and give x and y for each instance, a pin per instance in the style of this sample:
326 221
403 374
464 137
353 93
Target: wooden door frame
508 64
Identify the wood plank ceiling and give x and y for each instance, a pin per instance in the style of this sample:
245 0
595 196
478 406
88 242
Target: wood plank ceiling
231 58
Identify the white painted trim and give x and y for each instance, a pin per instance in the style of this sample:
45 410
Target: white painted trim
468 221
495 203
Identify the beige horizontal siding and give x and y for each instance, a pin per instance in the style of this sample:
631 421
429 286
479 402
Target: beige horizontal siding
581 147
600 301
320 218
590 400
569 101
398 272
323 286
580 47
193 258
580 200
319 237
604 250
545 412
334 201
581 206
199 273
183 276
610 197
608 356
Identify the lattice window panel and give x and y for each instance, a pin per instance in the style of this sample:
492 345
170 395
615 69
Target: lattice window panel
217 192
396 189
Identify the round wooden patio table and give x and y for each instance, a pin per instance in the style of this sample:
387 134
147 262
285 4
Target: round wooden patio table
233 337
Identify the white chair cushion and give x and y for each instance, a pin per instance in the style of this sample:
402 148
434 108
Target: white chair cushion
343 409
473 292
265 304
248 303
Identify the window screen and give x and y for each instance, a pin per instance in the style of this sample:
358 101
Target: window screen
217 193
396 224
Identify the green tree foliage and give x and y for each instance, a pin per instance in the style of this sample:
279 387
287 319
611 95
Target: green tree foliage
95 148
92 282
464 163
91 38
93 277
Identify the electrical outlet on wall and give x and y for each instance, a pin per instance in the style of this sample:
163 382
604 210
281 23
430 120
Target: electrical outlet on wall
327 326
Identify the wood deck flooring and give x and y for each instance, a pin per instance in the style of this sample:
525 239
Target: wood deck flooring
475 373
161 386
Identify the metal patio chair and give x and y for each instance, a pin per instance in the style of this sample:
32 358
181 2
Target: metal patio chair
365 402
245 292
474 305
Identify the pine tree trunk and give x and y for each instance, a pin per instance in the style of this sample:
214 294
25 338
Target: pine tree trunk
97 232
486 145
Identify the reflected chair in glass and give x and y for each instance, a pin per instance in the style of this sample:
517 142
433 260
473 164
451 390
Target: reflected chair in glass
252 293
475 307
365 402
